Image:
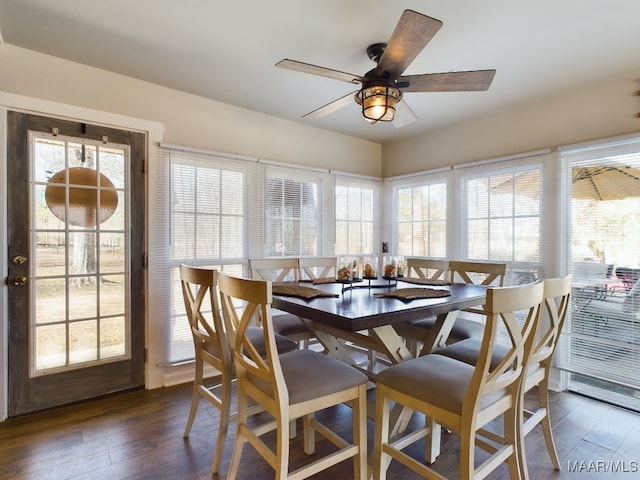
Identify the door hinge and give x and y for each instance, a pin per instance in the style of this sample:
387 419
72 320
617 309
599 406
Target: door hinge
145 261
146 355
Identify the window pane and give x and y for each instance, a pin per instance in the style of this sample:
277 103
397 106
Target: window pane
112 335
503 216
478 239
477 198
438 239
501 239
208 210
208 190
418 208
355 212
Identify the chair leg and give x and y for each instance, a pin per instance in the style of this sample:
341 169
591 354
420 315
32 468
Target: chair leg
225 415
195 399
432 441
543 399
309 435
381 460
243 405
281 462
514 438
467 453
359 421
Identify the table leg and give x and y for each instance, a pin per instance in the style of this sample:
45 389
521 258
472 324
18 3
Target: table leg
440 332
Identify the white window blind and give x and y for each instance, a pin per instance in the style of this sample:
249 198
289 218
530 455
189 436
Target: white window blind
294 212
357 217
601 339
507 215
421 216
203 217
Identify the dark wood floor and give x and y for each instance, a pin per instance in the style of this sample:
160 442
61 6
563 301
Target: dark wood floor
139 436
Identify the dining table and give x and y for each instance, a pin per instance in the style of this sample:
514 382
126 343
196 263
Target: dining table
363 313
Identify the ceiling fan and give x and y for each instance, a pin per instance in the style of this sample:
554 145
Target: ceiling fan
383 87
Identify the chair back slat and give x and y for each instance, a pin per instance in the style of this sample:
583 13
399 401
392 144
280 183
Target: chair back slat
314 268
274 269
255 297
503 307
556 302
483 273
427 268
207 327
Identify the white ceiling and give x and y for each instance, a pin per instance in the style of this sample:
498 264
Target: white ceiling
226 49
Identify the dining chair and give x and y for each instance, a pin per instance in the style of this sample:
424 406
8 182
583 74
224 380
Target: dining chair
288 386
417 331
461 397
480 273
427 269
279 270
318 269
212 348
556 301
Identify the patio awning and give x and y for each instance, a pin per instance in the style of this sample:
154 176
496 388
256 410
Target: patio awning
605 182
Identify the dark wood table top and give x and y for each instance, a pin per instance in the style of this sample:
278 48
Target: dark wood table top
359 309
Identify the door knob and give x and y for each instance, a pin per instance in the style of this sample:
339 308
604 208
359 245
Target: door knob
19 281
19 259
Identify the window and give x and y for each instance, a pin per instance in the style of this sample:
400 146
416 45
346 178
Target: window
293 212
356 217
422 220
206 224
503 215
217 211
601 340
207 219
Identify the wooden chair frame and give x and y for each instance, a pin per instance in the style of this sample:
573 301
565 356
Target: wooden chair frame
317 268
263 381
552 315
557 292
502 383
427 268
276 270
212 347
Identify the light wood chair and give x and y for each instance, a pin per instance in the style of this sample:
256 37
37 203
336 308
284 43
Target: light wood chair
212 347
461 397
417 331
318 268
556 301
279 270
481 273
289 386
427 269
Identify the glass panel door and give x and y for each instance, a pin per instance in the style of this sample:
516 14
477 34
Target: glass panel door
76 242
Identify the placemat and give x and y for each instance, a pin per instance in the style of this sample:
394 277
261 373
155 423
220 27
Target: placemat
407 294
424 281
319 281
300 291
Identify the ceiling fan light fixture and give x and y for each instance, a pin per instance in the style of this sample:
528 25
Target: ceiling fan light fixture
378 101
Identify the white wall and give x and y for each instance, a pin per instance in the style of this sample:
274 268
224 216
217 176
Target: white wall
606 109
188 119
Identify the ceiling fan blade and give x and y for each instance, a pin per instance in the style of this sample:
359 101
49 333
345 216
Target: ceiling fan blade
404 115
331 107
411 35
473 81
322 71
